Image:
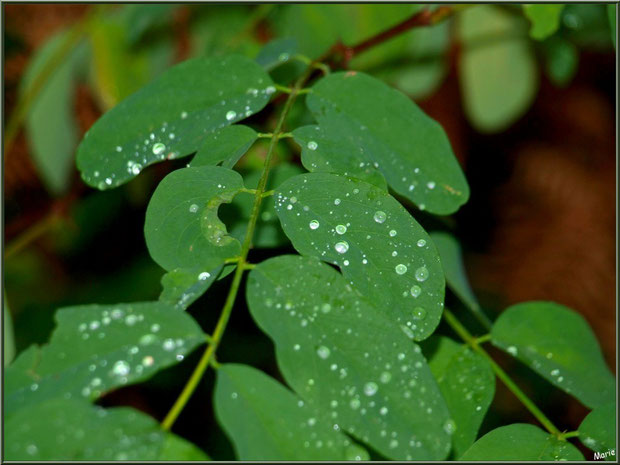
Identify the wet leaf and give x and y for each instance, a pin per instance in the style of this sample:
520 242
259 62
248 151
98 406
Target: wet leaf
558 344
181 287
96 348
496 56
385 129
276 52
171 116
456 275
545 19
58 429
182 228
52 140
598 430
467 383
266 421
322 151
225 146
521 442
378 246
345 358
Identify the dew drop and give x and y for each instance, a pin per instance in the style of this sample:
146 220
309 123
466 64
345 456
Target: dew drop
512 350
341 229
415 290
168 344
148 361
326 308
355 452
204 275
342 247
355 404
231 115
193 208
312 145
314 224
419 313
393 233
121 368
421 274
430 185
449 426
380 216
159 148
323 352
385 377
421 243
370 388
401 269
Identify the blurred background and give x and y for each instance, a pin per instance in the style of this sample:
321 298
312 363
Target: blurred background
532 122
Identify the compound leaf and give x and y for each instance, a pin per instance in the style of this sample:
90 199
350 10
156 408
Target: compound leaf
467 383
225 146
266 421
57 430
558 344
545 19
344 357
489 66
182 229
387 130
96 348
456 275
598 430
520 442
170 117
379 247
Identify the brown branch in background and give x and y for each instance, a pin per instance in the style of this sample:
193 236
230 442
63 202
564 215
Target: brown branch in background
344 53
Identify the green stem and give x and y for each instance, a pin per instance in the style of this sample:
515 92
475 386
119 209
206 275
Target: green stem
483 338
501 374
242 265
570 434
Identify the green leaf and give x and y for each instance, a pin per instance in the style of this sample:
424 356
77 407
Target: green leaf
181 287
276 52
266 421
171 116
558 344
467 383
96 348
496 56
561 59
345 358
52 140
61 429
545 19
325 152
598 430
182 229
456 275
379 247
268 233
390 132
225 146
520 442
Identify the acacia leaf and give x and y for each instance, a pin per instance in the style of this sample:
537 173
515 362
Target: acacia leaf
557 343
181 287
387 130
521 442
379 247
171 116
266 421
276 52
344 357
58 429
96 348
182 228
